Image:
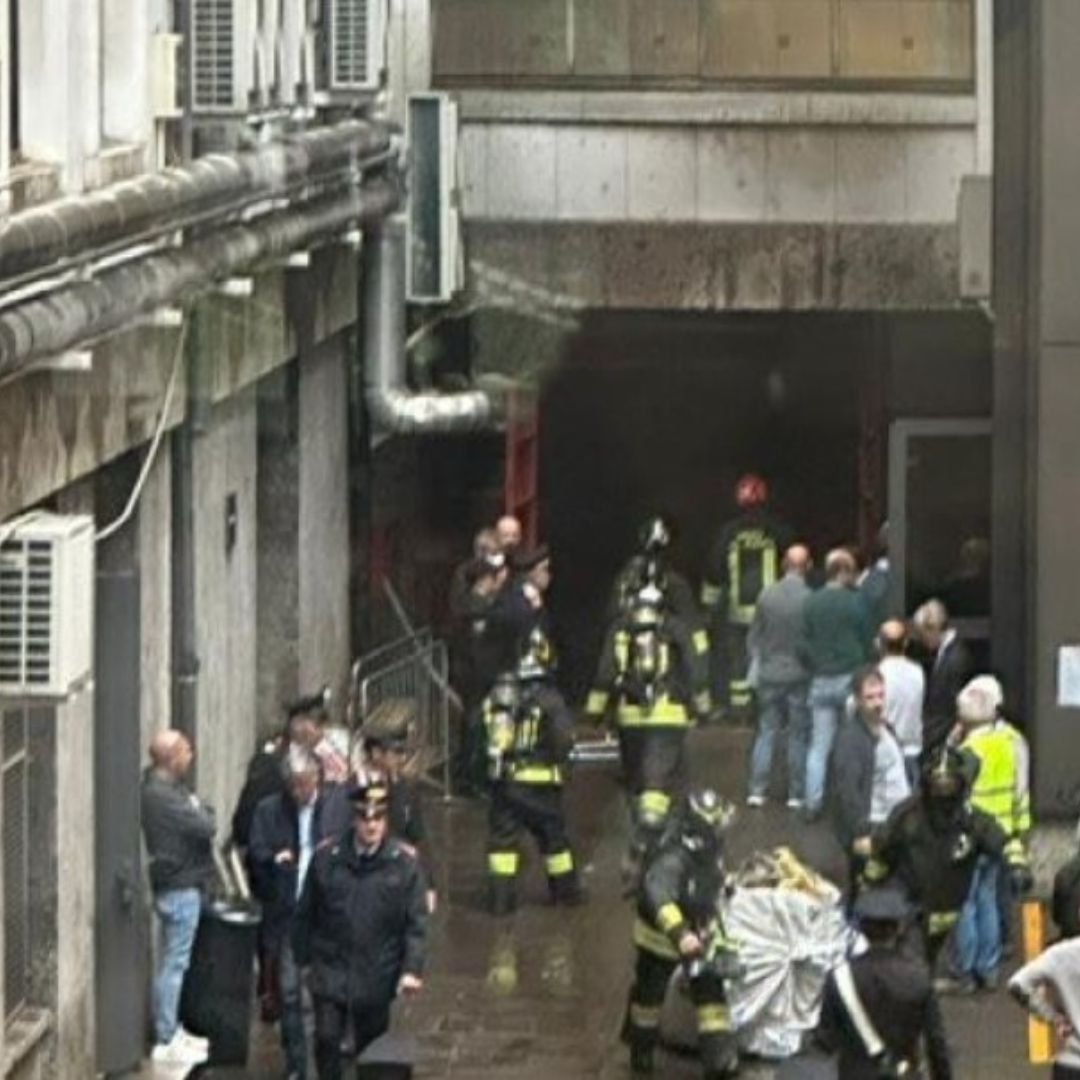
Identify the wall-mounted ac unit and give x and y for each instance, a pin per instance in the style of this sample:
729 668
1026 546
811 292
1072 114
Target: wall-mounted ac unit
355 44
46 604
433 256
222 55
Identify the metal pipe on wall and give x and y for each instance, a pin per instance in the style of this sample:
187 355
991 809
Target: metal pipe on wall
393 407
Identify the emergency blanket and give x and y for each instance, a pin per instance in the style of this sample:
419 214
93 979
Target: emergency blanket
788 926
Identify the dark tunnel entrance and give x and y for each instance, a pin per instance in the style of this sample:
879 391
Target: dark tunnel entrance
657 412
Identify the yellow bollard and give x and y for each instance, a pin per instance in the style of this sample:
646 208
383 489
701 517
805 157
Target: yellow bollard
1040 1037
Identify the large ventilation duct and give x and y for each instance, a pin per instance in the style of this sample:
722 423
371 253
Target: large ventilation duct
75 314
394 408
59 230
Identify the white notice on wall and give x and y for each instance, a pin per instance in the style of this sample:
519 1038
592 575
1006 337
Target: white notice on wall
1068 694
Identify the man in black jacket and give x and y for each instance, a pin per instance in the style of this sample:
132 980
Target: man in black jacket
877 1007
362 927
949 669
286 831
179 834
867 774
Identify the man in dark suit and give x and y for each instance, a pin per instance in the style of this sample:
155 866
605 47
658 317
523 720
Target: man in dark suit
286 831
950 668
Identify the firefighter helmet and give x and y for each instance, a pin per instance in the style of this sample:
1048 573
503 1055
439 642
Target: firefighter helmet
654 536
944 774
706 817
751 490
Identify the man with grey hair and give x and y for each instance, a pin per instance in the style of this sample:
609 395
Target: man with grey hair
286 831
949 669
838 631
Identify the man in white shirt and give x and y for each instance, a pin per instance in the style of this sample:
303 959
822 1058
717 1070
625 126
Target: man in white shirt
905 689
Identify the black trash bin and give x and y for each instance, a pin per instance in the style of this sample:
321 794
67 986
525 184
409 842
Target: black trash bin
219 987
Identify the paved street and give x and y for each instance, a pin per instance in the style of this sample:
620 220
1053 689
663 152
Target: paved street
541 995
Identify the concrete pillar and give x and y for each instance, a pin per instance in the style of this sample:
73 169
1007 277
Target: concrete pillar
225 541
323 552
1054 363
154 555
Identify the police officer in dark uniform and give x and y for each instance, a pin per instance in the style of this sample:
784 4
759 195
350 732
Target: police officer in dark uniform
745 559
878 1006
529 738
930 844
362 926
653 675
649 566
677 922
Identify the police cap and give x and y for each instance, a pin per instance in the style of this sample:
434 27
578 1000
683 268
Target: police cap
316 704
390 723
369 794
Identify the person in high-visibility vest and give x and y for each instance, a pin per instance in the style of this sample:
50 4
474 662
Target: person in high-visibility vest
745 559
678 921
529 738
649 565
1001 790
653 676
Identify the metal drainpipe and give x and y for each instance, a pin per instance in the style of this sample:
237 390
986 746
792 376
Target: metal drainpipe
393 407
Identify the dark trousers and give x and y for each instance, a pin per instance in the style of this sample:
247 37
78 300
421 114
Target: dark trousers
729 664
368 1021
538 809
290 982
716 1037
1064 1072
654 773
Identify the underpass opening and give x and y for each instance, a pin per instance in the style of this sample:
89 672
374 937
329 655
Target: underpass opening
650 412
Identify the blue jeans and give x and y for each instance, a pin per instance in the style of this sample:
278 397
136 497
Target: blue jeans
293 1039
779 703
178 910
827 699
978 933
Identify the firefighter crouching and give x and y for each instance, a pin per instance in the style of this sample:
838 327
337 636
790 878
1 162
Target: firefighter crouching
653 674
678 922
529 738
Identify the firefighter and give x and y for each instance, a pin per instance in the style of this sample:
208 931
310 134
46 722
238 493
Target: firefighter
653 674
529 737
1001 789
744 560
649 566
678 921
931 844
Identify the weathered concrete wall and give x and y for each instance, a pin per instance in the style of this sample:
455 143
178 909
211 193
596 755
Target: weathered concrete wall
58 427
154 555
718 267
324 560
225 462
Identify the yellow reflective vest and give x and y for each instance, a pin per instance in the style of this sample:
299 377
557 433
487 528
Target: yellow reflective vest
1001 788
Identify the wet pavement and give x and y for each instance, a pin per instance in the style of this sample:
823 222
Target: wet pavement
540 995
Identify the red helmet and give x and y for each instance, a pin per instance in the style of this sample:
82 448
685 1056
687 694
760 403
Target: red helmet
751 490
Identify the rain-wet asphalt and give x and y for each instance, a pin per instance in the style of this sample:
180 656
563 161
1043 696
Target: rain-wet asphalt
540 995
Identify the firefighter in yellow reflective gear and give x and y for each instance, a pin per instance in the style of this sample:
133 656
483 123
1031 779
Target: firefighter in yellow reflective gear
745 559
653 676
678 922
650 566
1001 790
529 736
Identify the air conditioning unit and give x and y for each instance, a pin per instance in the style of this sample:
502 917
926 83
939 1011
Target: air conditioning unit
46 605
356 50
434 263
222 56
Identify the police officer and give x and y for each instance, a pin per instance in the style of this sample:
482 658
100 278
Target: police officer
386 737
362 926
529 737
677 922
653 675
745 559
878 1006
649 566
931 844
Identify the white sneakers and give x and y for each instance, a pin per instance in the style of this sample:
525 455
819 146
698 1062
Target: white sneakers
183 1049
755 801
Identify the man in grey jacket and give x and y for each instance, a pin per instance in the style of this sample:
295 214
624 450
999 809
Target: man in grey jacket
777 650
179 834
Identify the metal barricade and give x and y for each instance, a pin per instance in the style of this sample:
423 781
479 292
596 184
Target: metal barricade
383 656
419 676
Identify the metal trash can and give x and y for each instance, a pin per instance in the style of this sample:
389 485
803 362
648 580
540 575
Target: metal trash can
219 987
